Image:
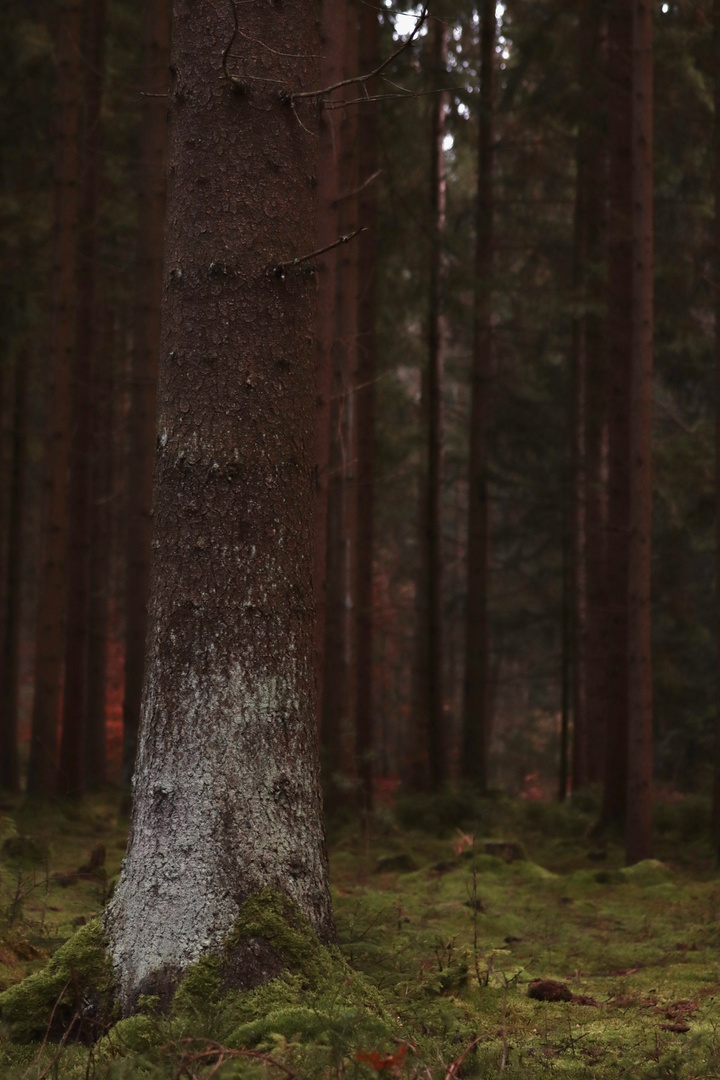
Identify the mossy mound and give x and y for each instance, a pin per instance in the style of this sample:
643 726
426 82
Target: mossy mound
75 988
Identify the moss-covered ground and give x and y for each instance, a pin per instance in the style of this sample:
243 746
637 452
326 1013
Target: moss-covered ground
447 911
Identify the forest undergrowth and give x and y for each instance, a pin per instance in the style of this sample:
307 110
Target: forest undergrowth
476 938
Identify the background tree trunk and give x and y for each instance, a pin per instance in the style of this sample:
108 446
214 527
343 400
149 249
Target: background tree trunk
436 366
716 135
333 26
476 729
71 776
638 841
50 629
226 792
619 350
10 657
144 362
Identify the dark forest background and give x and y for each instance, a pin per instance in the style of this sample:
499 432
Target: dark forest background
410 307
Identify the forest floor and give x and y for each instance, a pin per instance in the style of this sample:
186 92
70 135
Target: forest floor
451 933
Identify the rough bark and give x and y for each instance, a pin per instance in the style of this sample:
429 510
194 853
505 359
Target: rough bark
365 408
226 789
144 362
638 838
71 775
332 30
619 359
50 627
476 725
10 656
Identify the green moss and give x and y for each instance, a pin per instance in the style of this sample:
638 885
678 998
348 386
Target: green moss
78 979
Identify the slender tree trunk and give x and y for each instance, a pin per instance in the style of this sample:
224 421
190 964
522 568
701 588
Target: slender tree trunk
333 26
10 658
476 727
638 841
588 406
50 627
71 776
226 791
619 350
100 556
340 654
436 366
144 362
716 134
365 408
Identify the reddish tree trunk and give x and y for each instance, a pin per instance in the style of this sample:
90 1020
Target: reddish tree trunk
50 626
476 727
619 354
365 409
10 655
144 362
71 777
638 840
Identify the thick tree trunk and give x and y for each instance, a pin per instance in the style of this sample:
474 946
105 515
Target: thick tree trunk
340 677
365 408
435 382
619 350
144 362
333 25
226 790
10 656
50 627
638 840
476 726
71 776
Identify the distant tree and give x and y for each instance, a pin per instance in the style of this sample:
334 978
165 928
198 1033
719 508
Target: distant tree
226 790
476 719
638 841
716 163
620 23
50 628
369 59
71 775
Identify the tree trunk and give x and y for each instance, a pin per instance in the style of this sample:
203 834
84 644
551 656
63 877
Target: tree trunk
340 655
436 367
226 790
365 409
333 25
716 133
103 469
619 350
476 730
10 657
71 776
144 363
638 840
50 627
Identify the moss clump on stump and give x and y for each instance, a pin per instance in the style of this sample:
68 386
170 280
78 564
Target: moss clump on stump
77 986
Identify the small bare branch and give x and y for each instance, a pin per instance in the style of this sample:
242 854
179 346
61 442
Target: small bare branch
357 190
280 269
364 79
